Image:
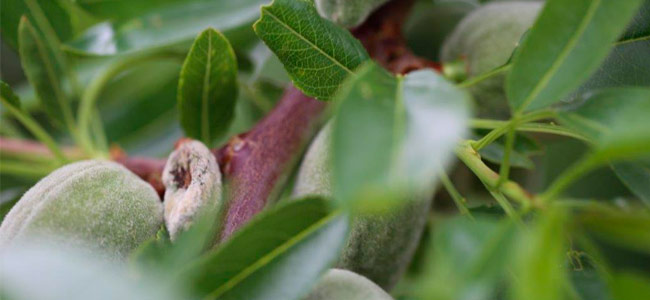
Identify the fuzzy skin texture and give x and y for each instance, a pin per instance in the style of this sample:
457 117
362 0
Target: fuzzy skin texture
192 185
91 204
339 284
347 13
380 247
486 39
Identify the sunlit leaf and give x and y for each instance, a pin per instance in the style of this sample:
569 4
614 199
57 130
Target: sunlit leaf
392 135
317 54
207 88
566 44
279 255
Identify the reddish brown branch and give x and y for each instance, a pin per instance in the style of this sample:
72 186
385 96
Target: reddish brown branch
381 35
257 163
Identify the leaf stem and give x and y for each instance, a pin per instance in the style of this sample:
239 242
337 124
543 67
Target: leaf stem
504 203
571 174
504 171
25 169
477 79
472 160
515 122
550 128
37 131
455 195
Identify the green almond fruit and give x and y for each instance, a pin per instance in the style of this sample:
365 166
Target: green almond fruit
485 39
380 247
339 284
92 204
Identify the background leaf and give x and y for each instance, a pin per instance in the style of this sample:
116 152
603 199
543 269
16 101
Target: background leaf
43 73
207 88
630 286
469 259
636 176
627 65
8 95
540 272
279 255
13 10
566 44
393 135
317 54
168 26
640 25
123 9
616 120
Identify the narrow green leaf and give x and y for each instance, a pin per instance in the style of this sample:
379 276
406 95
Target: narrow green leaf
636 176
13 10
43 73
207 89
469 259
540 271
170 25
12 104
317 54
8 95
628 229
279 255
616 120
566 44
392 135
630 286
123 9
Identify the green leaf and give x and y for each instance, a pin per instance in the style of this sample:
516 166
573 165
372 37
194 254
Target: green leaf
43 73
123 9
8 95
494 153
540 271
566 44
13 10
207 89
279 255
317 54
640 25
636 176
629 229
630 286
392 135
468 259
168 26
616 120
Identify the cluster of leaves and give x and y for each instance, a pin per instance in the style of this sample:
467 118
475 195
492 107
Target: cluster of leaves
392 135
